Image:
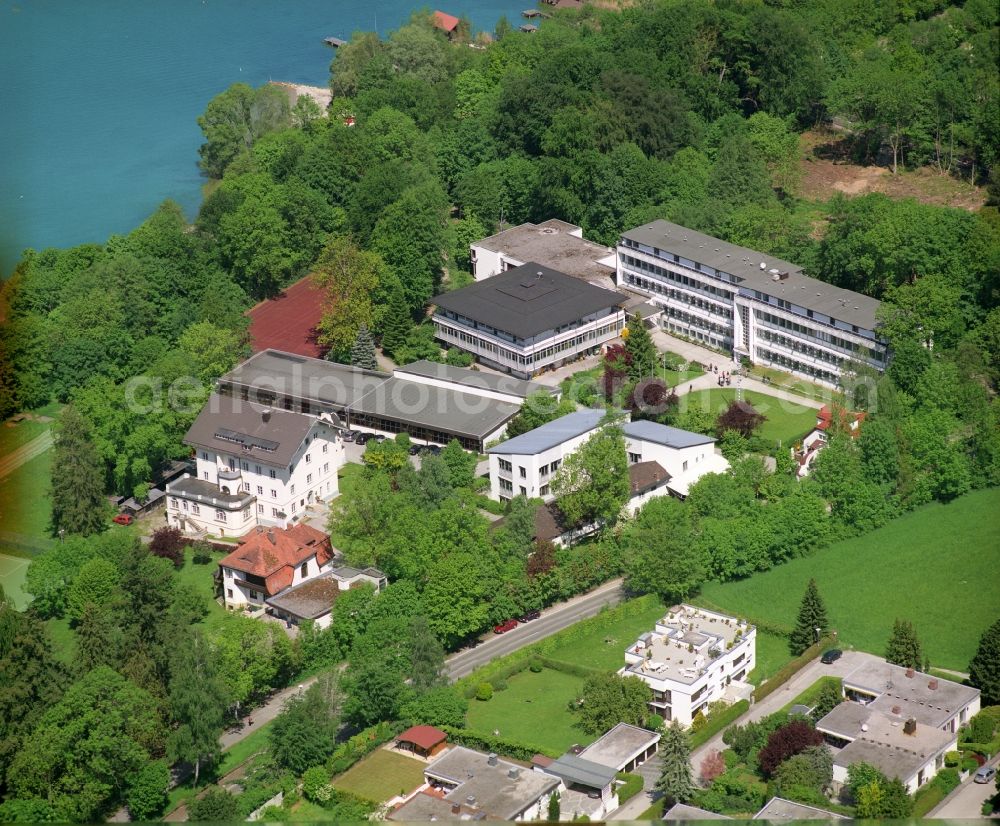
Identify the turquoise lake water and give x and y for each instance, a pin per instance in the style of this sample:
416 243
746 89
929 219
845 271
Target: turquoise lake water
98 98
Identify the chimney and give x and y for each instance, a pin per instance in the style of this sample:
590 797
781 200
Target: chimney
896 709
491 760
271 537
266 414
910 727
456 808
514 773
470 800
909 673
933 684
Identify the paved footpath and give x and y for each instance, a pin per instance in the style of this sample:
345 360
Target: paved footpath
770 704
25 453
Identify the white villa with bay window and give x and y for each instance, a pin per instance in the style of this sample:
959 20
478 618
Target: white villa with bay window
254 466
692 658
748 303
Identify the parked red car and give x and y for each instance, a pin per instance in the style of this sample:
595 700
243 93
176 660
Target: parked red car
122 519
503 627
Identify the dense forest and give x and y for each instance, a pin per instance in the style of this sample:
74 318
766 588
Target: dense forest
682 109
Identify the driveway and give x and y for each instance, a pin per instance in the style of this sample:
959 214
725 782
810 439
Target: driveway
770 704
966 802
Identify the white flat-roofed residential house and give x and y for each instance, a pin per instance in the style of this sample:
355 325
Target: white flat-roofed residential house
691 658
528 319
552 243
899 720
526 464
684 455
254 466
749 303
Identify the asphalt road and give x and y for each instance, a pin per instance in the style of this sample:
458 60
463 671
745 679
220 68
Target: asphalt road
552 620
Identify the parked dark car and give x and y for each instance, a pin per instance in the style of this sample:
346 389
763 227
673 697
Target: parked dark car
362 438
350 435
433 449
416 449
831 656
529 616
378 437
504 627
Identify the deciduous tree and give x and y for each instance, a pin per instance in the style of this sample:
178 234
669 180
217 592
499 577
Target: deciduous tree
304 734
593 484
350 278
608 699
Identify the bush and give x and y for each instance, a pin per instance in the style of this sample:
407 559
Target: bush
360 745
497 745
169 543
316 785
535 665
968 764
713 766
215 805
484 692
717 721
927 797
787 741
951 759
630 788
499 684
981 728
202 554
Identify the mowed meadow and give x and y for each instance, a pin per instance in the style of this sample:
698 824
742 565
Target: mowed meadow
938 566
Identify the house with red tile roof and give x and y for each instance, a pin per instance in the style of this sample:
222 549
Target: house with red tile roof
817 438
446 22
269 560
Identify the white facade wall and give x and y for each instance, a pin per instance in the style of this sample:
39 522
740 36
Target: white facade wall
487 263
676 462
924 774
538 471
725 316
680 701
311 476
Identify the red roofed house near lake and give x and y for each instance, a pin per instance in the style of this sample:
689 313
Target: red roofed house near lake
289 321
445 22
269 560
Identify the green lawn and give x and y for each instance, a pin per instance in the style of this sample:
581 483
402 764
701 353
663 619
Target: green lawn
938 567
24 499
786 421
772 653
12 436
605 647
63 640
533 709
347 475
381 776
811 694
199 577
13 570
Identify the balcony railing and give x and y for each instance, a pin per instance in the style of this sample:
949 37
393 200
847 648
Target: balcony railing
229 474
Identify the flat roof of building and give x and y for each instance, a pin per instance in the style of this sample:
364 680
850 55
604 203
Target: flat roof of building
311 599
552 433
892 759
665 435
529 300
502 790
745 264
426 808
437 408
912 695
681 811
316 380
191 487
257 432
578 770
555 244
857 721
620 746
778 808
684 627
474 379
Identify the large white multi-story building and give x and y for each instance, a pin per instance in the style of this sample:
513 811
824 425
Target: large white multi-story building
255 465
691 658
754 305
528 319
526 464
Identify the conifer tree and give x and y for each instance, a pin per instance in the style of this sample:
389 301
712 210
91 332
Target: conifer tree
396 325
984 670
812 615
363 350
639 345
675 775
904 648
78 504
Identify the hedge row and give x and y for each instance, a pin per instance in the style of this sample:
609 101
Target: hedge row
631 787
790 669
715 723
517 661
360 745
944 782
574 669
496 745
987 750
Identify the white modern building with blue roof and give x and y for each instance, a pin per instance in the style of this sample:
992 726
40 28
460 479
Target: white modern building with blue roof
526 464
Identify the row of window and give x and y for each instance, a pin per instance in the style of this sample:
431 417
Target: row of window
676 278
195 509
817 335
537 359
799 347
678 295
771 357
787 305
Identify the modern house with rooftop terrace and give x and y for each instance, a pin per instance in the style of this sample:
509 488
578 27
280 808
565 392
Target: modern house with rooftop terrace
691 658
